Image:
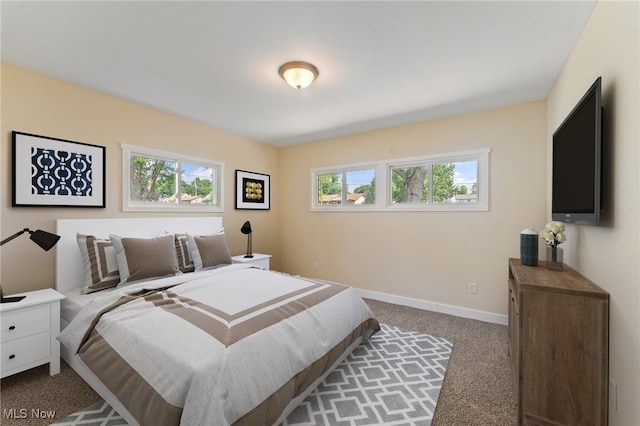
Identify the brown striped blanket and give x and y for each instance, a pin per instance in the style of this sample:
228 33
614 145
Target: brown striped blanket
230 346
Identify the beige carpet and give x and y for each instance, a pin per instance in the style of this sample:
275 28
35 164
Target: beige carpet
477 389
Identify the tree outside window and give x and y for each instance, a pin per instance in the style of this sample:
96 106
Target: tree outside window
349 187
456 181
164 180
412 184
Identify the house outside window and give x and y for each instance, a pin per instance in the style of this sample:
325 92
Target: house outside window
156 180
350 187
451 182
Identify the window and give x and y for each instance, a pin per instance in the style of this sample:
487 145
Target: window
352 187
454 181
156 180
434 183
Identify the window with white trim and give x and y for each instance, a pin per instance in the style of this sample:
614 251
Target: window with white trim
156 180
451 182
352 187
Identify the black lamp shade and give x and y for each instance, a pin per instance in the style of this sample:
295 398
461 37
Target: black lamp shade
44 239
246 228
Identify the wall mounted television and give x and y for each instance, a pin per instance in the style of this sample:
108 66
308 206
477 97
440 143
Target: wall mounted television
576 189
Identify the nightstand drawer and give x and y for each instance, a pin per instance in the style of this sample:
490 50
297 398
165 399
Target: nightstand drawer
21 352
260 260
24 323
261 263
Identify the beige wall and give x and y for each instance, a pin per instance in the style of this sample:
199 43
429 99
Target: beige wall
609 254
429 256
34 103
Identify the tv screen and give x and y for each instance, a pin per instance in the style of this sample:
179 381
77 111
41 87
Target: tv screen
577 162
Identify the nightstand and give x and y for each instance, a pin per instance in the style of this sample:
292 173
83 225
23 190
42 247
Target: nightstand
258 259
28 331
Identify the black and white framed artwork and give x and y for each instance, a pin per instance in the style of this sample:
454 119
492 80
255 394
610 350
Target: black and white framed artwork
51 172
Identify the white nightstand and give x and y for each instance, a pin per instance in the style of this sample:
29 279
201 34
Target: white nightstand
258 259
28 331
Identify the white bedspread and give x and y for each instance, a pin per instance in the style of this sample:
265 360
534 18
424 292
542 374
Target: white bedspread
228 346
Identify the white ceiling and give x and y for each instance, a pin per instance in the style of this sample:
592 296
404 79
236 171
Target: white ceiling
381 63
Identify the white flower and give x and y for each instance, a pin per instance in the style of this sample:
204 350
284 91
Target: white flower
553 234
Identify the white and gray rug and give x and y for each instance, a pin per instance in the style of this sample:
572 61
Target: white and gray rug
393 380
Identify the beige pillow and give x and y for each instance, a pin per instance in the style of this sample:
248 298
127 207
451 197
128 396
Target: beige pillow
145 258
209 251
99 263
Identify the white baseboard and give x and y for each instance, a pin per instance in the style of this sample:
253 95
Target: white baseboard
435 307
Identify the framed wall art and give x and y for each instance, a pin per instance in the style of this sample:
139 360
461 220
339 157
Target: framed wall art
252 191
51 172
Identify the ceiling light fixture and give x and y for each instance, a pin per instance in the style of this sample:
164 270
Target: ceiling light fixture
298 74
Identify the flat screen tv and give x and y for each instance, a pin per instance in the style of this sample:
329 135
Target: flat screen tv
576 193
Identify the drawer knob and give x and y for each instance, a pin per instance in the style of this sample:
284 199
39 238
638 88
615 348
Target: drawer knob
13 327
12 356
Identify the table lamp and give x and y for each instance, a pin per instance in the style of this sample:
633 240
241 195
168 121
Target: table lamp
44 239
246 229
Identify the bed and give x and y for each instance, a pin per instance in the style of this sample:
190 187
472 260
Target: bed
225 344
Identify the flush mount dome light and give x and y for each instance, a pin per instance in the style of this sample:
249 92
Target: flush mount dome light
298 74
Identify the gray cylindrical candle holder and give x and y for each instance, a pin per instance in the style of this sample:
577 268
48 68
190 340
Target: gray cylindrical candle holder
529 247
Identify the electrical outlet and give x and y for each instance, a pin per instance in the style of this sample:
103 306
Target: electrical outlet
473 288
316 266
613 394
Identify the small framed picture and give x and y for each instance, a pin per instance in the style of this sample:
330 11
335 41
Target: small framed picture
252 191
51 172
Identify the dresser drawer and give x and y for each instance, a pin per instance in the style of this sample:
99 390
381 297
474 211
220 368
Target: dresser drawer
18 324
20 352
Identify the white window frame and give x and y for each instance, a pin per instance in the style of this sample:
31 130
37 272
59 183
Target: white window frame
131 206
482 184
343 170
383 170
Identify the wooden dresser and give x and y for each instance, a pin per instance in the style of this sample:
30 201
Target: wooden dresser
558 345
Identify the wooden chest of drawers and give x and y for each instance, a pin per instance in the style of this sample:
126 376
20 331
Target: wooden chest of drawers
558 345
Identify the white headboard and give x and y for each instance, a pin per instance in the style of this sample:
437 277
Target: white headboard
69 271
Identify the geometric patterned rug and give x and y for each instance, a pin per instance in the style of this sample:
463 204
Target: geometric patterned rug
393 380
98 414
